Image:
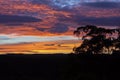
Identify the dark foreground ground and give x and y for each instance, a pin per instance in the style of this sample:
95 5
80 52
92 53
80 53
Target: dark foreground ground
60 67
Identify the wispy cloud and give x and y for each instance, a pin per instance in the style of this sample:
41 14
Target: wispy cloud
13 39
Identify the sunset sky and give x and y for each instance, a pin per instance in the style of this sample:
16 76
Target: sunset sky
46 26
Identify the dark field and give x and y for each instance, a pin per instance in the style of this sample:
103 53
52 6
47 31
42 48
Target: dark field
59 67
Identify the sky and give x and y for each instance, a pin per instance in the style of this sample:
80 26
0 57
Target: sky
46 26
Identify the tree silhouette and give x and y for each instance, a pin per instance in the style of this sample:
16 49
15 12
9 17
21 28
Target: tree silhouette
97 40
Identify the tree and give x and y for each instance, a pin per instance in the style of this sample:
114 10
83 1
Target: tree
97 40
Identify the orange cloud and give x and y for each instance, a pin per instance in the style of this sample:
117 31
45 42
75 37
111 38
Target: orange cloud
40 47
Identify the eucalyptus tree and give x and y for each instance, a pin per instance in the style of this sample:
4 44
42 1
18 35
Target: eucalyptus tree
97 40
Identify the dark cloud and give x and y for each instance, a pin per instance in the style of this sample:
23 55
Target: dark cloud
62 18
84 20
41 1
13 24
41 29
49 44
12 19
59 28
110 21
103 4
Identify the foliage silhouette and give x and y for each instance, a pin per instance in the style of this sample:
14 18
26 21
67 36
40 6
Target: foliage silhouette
97 40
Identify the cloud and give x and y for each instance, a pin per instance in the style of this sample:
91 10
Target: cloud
13 24
2 48
13 39
85 20
103 4
61 4
59 28
103 21
41 29
15 20
56 20
49 44
41 1
4 38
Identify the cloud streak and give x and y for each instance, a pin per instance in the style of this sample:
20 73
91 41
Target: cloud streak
5 19
13 39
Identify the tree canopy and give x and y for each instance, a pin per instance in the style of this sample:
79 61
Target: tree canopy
97 40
